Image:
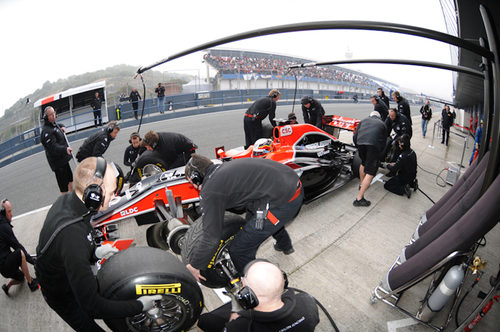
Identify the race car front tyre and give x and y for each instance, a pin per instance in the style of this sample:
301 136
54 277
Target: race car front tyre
147 158
139 271
155 236
215 276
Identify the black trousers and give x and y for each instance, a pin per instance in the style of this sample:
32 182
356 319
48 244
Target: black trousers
97 117
71 312
135 106
395 185
446 133
253 130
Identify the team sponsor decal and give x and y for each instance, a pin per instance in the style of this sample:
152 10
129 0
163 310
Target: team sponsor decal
158 289
129 211
286 131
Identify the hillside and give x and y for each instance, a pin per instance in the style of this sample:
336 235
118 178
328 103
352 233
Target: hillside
119 79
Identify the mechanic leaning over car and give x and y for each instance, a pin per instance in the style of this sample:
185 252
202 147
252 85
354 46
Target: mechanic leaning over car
57 151
369 137
98 143
18 257
312 111
403 106
66 250
275 308
258 111
176 149
269 191
405 169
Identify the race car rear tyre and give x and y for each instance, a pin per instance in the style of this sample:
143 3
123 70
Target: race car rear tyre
139 271
356 163
215 277
155 236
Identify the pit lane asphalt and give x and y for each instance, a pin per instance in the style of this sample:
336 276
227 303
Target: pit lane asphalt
30 183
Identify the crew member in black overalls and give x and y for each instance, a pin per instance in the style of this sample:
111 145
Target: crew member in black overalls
405 169
132 152
134 99
447 119
312 111
260 109
63 264
400 124
174 148
269 191
96 106
96 144
403 105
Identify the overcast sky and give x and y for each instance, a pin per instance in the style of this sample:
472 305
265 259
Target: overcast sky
53 39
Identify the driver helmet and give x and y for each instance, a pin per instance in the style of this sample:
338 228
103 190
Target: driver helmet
262 147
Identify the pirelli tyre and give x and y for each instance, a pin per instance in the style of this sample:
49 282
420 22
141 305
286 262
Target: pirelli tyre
215 276
139 271
356 163
146 158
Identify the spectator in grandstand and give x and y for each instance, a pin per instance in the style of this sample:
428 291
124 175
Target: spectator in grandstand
379 106
276 308
98 143
404 169
160 94
258 111
477 142
175 149
134 99
369 138
292 118
96 106
426 112
312 111
57 151
12 253
403 106
447 119
383 97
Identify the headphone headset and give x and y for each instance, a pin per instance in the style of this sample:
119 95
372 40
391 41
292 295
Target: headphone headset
111 126
275 94
246 296
2 208
134 134
306 100
152 144
194 173
403 140
93 196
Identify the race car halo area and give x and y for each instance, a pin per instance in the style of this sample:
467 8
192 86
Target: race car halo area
341 252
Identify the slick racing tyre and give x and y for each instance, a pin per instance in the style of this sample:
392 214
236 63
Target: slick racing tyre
356 163
215 276
146 158
139 271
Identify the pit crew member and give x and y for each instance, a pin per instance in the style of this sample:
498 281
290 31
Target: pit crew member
312 111
270 192
57 151
66 250
98 143
133 150
276 308
405 169
403 106
379 106
258 111
176 149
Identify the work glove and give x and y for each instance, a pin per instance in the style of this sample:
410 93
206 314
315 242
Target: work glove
105 251
148 301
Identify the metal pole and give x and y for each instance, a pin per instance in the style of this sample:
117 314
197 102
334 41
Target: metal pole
433 134
493 162
487 114
463 153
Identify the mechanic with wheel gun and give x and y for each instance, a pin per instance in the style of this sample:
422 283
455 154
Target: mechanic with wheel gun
258 111
176 149
398 123
66 250
312 111
133 151
264 304
270 192
98 143
404 169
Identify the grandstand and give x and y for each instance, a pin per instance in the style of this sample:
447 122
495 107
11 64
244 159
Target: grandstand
238 69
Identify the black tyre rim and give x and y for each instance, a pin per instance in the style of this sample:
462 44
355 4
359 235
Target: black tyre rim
169 315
